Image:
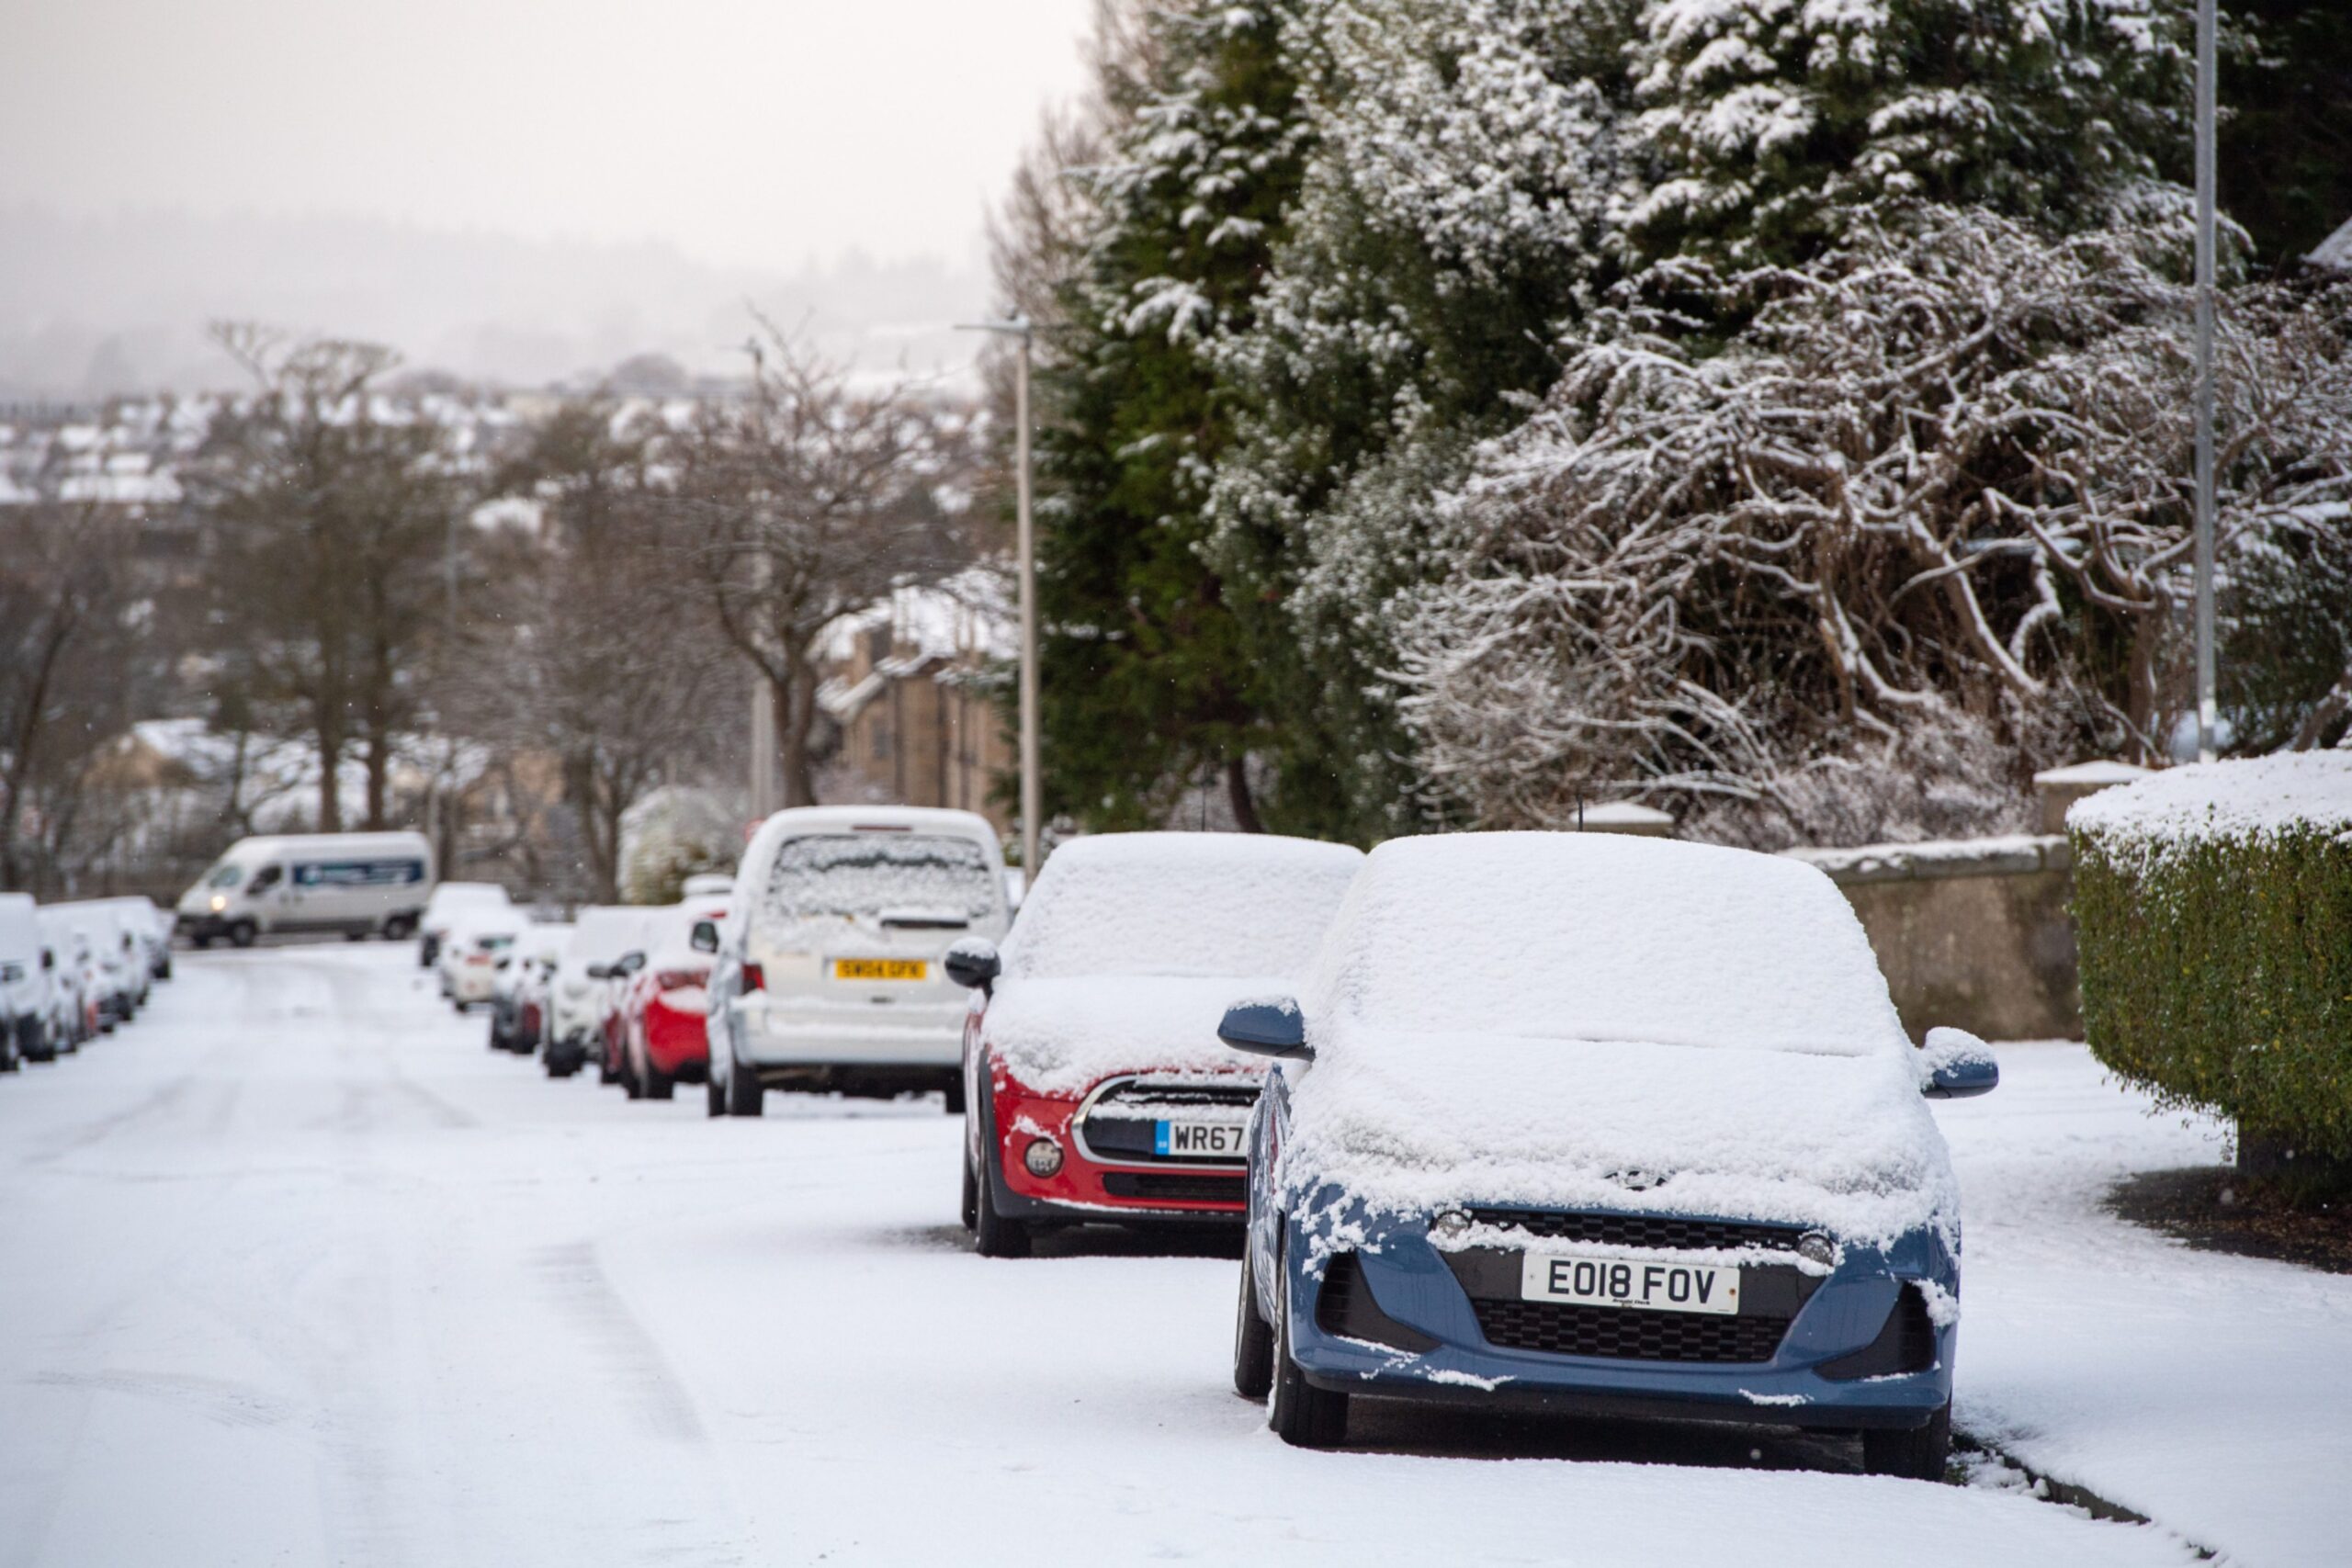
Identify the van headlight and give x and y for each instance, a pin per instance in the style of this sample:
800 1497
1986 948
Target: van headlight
219 902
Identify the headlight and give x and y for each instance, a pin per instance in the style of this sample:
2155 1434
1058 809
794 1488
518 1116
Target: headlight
1450 1224
1817 1246
219 902
1043 1156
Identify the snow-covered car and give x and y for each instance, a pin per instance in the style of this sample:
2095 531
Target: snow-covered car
830 973
707 885
1098 1088
477 940
24 970
580 997
450 902
1601 1125
118 968
518 998
73 981
664 1036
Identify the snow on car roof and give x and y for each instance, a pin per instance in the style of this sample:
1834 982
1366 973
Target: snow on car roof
1594 936
1179 904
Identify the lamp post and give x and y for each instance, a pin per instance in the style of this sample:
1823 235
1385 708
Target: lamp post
2206 705
1032 789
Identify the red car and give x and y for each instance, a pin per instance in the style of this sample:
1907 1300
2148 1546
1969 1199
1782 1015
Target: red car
1097 1086
658 1037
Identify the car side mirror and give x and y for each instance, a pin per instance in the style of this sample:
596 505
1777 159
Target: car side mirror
600 971
626 965
705 938
1957 1065
973 965
1267 1029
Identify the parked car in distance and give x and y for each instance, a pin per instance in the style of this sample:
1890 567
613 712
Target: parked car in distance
471 950
707 885
118 971
1604 1126
829 974
664 1036
26 966
518 998
353 884
1097 1087
448 902
581 992
74 980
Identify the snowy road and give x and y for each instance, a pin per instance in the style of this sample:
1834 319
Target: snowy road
296 1271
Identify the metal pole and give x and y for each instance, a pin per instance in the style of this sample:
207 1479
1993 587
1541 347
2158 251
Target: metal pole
2206 705
1032 791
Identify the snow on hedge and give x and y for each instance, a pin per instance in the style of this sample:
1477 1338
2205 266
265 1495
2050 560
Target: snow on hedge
1523 1018
2243 798
1132 945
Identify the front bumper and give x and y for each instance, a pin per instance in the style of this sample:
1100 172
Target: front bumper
1444 1356
1090 1187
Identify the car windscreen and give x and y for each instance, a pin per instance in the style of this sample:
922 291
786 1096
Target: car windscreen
870 876
225 876
1594 937
1180 904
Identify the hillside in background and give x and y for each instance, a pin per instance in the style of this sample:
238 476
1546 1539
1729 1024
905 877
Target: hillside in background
93 306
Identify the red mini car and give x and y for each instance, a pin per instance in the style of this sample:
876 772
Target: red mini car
1097 1086
658 1035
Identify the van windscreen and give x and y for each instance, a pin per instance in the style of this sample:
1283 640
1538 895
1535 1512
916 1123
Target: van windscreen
837 875
228 874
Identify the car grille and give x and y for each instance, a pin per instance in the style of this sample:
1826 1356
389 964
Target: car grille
1172 1189
1139 1103
1641 1230
1627 1334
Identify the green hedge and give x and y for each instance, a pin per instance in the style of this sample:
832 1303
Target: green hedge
2218 971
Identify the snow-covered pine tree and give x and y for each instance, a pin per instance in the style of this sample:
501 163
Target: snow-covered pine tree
1149 681
1770 120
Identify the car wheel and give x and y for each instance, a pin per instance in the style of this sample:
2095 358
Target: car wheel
1301 1415
631 1085
659 1085
994 1233
971 1208
714 1095
746 1095
241 934
954 1097
1916 1455
1253 1339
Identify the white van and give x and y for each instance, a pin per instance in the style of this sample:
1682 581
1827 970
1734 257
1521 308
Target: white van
355 884
828 974
25 967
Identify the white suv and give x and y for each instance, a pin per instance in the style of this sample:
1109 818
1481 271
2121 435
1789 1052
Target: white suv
829 972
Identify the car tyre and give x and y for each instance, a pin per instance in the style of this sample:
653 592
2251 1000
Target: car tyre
1253 1339
994 1233
241 934
1301 1415
1918 1454
746 1095
971 1210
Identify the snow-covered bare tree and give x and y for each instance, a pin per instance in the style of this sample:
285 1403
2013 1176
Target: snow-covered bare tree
1929 509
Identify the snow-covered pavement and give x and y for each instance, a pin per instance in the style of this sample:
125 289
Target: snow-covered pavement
295 1270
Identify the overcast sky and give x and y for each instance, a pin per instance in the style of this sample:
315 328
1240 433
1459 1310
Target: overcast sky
756 134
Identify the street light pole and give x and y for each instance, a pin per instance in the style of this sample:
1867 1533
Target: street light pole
1031 785
2206 704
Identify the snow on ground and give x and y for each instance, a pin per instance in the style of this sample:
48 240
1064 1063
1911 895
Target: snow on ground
294 1269
2205 1391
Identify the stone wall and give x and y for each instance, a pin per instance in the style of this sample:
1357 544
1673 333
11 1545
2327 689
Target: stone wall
1974 934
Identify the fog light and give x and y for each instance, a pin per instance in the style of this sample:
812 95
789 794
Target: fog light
1450 1225
1043 1156
1817 1246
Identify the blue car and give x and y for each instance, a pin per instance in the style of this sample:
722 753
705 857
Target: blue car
1604 1126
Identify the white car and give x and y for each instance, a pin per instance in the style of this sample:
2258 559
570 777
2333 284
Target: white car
25 968
352 885
450 902
73 980
117 967
582 994
471 953
518 998
830 972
